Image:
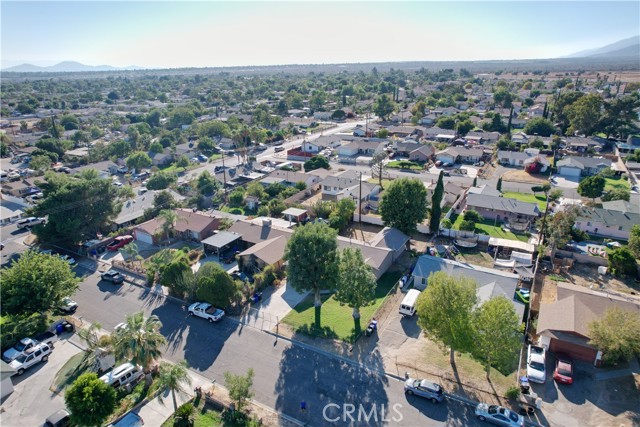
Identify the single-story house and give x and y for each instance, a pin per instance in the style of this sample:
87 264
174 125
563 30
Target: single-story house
295 215
367 147
492 283
574 166
485 190
133 209
161 159
337 188
187 149
607 223
105 169
22 188
582 145
563 326
391 238
422 153
460 155
291 178
190 225
502 208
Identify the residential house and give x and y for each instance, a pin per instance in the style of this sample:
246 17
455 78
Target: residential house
291 178
105 169
523 158
226 143
439 134
189 225
423 153
366 147
404 148
563 325
460 155
323 115
406 131
23 188
608 223
583 145
187 149
161 159
485 190
295 215
491 283
391 238
502 208
428 120
339 187
133 209
535 111
573 166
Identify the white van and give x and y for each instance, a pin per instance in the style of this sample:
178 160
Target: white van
124 374
408 305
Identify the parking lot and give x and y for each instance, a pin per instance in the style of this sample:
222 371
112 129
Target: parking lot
33 400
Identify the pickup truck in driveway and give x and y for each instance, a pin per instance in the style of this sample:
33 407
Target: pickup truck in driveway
48 338
33 356
206 311
19 349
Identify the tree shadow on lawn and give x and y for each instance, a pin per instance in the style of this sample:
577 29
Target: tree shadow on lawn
320 380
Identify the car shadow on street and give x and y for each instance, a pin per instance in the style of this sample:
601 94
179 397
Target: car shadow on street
433 411
328 386
410 326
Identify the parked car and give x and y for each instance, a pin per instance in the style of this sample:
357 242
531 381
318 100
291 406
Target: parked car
206 311
278 149
564 369
536 358
17 350
33 356
119 242
68 305
130 420
203 158
498 415
30 222
112 276
60 418
69 260
424 388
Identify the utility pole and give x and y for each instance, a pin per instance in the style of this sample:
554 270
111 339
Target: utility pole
360 200
224 179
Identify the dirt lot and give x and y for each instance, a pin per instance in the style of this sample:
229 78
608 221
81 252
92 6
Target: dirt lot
522 176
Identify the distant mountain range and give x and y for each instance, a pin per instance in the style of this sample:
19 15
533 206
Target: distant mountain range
66 66
626 47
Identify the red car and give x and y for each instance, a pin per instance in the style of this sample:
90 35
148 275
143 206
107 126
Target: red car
119 242
564 369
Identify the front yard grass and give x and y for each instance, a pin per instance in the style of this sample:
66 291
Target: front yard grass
336 320
404 164
616 183
529 198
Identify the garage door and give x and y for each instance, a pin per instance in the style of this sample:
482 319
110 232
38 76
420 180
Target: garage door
569 171
143 237
576 351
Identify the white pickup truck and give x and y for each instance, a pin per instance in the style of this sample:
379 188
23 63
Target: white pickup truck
206 311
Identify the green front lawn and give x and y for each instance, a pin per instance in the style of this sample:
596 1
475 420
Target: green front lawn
530 198
616 183
336 320
404 164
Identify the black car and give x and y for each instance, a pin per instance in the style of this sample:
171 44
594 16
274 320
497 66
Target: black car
112 276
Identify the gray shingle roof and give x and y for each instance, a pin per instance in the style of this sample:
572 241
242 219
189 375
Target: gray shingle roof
502 204
585 162
611 218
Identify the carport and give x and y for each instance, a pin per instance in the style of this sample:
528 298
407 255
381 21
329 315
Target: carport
220 242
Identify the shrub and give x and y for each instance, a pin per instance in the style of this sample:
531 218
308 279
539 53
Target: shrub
446 223
182 416
467 225
512 393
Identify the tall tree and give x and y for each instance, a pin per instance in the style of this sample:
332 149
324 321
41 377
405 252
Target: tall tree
77 207
622 262
445 311
239 387
90 400
499 184
404 204
436 200
616 334
342 214
384 106
591 186
634 240
140 341
356 283
215 286
36 282
539 126
170 219
584 114
174 377
378 166
312 256
497 336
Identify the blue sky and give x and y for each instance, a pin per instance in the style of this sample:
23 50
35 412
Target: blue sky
163 34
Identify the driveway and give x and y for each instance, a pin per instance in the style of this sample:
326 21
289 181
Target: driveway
565 182
32 400
275 305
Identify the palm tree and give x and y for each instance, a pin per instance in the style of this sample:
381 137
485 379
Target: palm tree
130 252
140 340
96 345
173 378
170 219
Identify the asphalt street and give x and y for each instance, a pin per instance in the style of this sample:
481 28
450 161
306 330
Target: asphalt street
285 373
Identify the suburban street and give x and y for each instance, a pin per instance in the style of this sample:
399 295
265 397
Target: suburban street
285 373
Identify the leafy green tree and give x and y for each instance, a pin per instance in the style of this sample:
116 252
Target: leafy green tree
77 207
40 163
584 114
472 215
539 126
161 180
613 194
239 387
207 184
139 160
620 115
634 240
156 147
341 216
174 378
312 255
616 334
214 129
499 184
173 272
559 226
236 198
90 400
383 133
276 207
497 337
404 204
446 122
436 209
384 106
554 195
140 341
356 283
622 262
591 186
183 162
52 145
467 225
69 122
463 127
256 189
4 149
445 311
215 286
36 282
316 162
503 98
